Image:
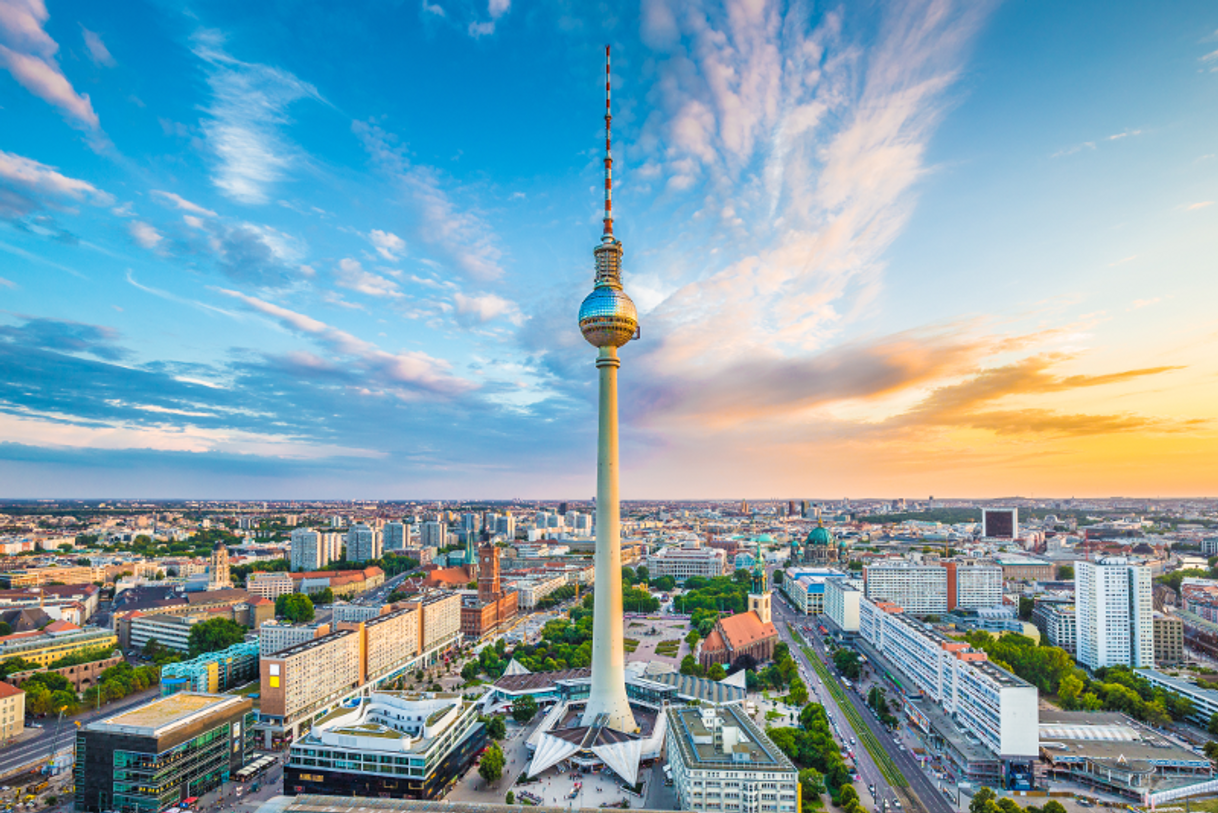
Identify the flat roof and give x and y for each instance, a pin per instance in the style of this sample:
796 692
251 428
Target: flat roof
312 643
309 803
753 751
159 716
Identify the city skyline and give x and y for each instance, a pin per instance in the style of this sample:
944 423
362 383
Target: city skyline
338 254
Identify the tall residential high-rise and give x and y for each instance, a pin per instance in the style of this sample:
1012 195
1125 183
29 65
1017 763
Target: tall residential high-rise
1000 523
506 524
608 320
1115 613
470 522
394 536
434 535
308 550
363 543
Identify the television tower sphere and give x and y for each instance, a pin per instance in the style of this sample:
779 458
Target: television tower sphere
608 318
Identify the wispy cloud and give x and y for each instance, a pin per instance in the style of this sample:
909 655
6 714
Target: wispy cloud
98 51
245 120
485 308
28 53
26 185
351 275
387 244
180 202
460 235
145 235
1091 145
1200 205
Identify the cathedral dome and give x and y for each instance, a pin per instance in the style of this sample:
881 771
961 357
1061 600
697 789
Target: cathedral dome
820 537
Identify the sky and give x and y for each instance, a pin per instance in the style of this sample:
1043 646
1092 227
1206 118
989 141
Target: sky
303 249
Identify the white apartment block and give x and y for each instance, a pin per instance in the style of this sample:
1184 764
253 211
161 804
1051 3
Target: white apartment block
308 552
683 562
274 636
976 586
363 543
917 589
983 699
434 535
722 762
395 536
1061 626
842 604
532 590
1115 613
270 585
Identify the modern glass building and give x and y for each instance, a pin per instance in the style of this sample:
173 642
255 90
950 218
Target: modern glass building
149 758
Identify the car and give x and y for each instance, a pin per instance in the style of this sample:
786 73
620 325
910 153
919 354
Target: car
896 803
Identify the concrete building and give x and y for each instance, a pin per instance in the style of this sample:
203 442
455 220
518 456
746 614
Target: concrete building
842 604
363 543
12 712
308 552
1058 622
55 641
1115 613
276 636
439 620
1000 523
434 535
213 672
687 560
971 587
151 757
1024 569
270 585
394 744
532 590
805 587
917 589
395 535
1169 640
307 680
721 761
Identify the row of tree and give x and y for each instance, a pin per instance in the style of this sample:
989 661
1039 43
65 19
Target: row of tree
817 756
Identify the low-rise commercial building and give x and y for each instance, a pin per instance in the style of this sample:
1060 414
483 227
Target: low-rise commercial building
685 561
151 757
532 590
804 587
721 761
213 672
55 641
393 744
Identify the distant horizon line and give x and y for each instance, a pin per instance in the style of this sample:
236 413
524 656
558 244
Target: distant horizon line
643 500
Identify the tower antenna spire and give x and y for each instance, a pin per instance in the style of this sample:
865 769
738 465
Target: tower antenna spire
608 155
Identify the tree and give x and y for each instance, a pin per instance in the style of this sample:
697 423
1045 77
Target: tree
510 798
1025 607
692 639
213 635
1212 728
524 708
688 665
496 729
491 766
1065 572
14 664
778 576
1053 806
847 795
978 804
325 596
716 672
295 607
5 629
799 692
847 662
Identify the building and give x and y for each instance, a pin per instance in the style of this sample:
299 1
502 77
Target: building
395 535
1058 622
363 543
805 588
434 535
1169 640
394 744
492 608
971 587
820 548
721 761
530 591
308 550
1203 698
270 585
12 712
745 639
440 620
1115 613
918 589
217 569
308 680
1000 523
980 716
276 636
391 642
1024 569
151 757
342 583
356 612
842 605
58 639
690 559
172 631
213 672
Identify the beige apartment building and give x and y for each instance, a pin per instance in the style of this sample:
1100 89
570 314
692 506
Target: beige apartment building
391 641
1169 640
12 712
308 680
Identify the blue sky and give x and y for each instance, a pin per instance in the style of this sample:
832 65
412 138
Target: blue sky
309 249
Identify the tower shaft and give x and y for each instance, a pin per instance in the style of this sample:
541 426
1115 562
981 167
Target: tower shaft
607 694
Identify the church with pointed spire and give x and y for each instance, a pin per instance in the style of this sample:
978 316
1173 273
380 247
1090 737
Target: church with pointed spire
750 635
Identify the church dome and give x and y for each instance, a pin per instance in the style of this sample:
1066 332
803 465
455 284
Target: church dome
820 537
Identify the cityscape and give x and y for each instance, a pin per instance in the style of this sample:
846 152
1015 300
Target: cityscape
312 501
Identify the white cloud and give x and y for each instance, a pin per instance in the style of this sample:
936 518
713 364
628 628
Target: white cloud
145 235
98 51
181 203
248 111
351 275
477 30
486 307
28 53
433 8
388 244
193 222
42 179
497 8
1200 205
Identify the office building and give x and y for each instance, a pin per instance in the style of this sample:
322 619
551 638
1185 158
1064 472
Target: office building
965 697
276 636
54 641
393 744
681 562
1115 613
395 536
356 612
842 605
213 672
721 761
151 757
505 525
1025 569
804 587
270 585
12 712
1169 640
1058 622
971 587
308 552
363 543
918 589
1000 523
434 535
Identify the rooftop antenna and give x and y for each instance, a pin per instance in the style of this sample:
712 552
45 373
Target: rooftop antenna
608 220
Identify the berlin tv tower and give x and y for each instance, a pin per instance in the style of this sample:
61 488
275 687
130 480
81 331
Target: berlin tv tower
608 319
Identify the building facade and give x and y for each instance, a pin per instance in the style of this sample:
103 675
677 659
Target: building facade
270 585
971 587
842 604
363 543
1169 640
213 672
918 589
308 552
1115 613
683 562
12 712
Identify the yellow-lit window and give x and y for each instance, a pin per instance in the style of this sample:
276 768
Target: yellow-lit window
274 683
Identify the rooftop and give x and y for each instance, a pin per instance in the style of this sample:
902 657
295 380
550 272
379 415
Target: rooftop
157 717
703 736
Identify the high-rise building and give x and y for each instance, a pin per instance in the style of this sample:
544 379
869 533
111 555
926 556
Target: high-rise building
917 589
434 535
470 522
970 587
363 543
608 320
505 524
1000 523
394 536
1169 640
1115 613
308 552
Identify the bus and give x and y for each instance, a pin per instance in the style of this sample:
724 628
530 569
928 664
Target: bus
846 682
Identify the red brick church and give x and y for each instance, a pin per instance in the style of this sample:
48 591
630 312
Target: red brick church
749 633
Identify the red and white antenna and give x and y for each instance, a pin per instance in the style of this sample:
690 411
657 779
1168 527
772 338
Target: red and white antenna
608 154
